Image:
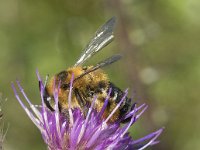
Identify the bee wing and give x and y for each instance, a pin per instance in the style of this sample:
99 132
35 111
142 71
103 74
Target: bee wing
107 61
101 64
103 36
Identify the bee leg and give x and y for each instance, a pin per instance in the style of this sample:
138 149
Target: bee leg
81 100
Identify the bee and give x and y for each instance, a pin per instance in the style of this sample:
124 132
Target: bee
89 81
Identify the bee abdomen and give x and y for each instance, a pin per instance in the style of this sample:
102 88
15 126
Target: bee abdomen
117 94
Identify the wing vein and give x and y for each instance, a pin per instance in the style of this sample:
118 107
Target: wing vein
104 35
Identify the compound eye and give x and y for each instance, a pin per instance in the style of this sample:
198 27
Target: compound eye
62 76
65 86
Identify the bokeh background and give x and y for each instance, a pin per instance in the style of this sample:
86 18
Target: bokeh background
160 44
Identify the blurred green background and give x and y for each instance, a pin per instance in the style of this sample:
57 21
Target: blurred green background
160 44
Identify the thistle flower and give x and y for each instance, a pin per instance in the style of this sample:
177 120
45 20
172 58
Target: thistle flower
79 131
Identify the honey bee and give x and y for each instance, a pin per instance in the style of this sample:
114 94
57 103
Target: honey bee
89 81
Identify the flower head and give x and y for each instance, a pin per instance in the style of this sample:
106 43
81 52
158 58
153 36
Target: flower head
78 131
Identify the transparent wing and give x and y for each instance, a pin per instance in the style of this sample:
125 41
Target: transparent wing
103 36
107 61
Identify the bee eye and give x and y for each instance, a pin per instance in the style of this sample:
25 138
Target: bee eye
65 86
62 76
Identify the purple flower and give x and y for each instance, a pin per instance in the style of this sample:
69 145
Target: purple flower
81 132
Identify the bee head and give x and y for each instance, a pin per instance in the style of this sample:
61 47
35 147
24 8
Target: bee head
62 76
60 81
